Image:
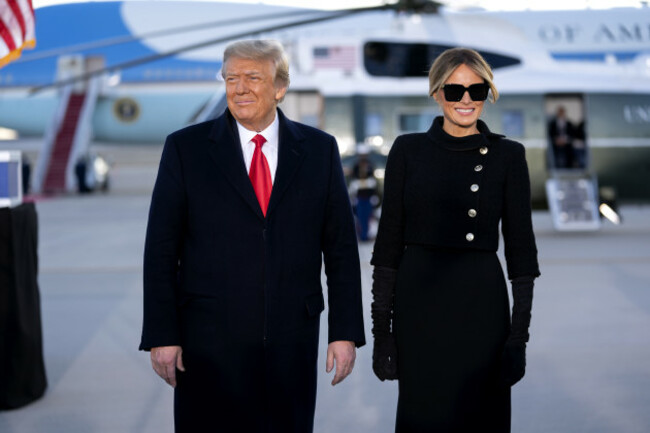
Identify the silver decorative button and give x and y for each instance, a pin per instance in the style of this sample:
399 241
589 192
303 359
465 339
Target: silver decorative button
478 168
483 150
474 187
469 237
471 213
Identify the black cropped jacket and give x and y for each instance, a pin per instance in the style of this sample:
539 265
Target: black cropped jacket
452 192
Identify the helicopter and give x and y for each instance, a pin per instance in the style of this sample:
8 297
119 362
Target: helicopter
360 74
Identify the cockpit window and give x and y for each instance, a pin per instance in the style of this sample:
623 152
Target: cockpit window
398 59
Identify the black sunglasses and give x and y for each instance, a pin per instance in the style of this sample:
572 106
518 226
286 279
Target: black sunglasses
455 92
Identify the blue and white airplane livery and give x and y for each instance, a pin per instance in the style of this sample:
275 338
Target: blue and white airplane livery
361 76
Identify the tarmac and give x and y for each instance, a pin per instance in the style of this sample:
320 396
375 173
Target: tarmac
588 357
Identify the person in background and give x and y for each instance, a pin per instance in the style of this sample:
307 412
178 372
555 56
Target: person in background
440 310
26 174
560 133
363 190
579 146
245 209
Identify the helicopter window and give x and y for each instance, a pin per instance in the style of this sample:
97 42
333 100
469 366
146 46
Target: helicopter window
415 122
396 59
513 123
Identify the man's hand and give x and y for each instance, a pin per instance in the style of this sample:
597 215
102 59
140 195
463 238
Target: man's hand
343 352
165 360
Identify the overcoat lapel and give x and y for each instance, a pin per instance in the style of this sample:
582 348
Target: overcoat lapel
291 152
226 152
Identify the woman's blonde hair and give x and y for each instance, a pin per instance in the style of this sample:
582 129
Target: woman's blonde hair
255 49
447 62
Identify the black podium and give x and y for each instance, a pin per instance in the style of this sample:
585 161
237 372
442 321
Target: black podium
22 370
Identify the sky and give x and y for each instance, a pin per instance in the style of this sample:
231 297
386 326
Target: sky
486 4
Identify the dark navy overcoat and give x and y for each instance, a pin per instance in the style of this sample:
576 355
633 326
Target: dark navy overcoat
241 293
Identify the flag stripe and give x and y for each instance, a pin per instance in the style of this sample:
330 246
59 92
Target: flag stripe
6 36
16 29
11 25
18 15
28 16
343 57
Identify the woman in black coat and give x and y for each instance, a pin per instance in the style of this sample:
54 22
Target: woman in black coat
441 319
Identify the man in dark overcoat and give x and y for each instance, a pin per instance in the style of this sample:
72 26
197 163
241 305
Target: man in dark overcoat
561 133
232 277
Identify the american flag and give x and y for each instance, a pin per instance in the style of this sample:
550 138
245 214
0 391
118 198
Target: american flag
335 57
17 30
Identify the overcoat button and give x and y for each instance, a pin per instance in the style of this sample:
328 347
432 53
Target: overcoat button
483 150
474 187
478 168
471 213
469 237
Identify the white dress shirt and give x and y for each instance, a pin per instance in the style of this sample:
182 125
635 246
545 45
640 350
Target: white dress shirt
269 149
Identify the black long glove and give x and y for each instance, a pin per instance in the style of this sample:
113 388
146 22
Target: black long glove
513 360
384 353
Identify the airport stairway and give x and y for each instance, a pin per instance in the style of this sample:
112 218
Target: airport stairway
55 178
573 201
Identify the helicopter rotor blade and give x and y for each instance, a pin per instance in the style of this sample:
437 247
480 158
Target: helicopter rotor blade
108 42
420 6
158 56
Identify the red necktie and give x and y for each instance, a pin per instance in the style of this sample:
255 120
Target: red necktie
260 174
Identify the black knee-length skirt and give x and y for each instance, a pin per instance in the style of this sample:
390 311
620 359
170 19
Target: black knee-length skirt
451 322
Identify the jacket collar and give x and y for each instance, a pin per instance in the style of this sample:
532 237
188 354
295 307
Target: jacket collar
470 142
227 154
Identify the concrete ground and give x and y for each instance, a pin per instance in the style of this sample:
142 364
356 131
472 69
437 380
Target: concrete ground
588 359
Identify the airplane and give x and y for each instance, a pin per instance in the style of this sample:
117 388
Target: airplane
359 74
